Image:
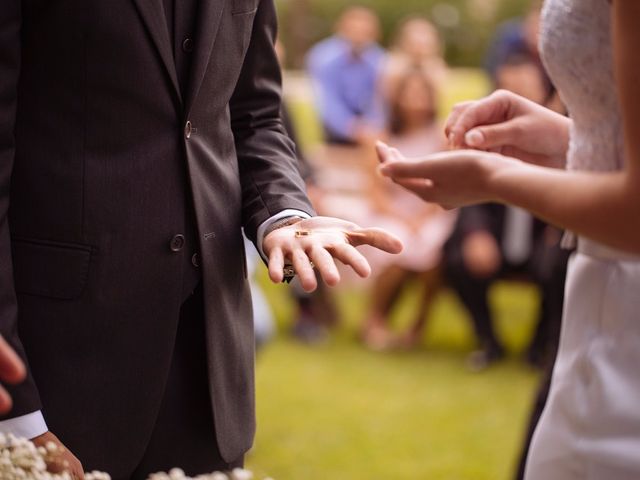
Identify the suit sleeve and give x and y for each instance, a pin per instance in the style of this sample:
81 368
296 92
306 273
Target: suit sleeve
25 396
269 175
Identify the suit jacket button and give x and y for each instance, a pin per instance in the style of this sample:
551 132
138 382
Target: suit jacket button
177 243
195 260
187 45
188 130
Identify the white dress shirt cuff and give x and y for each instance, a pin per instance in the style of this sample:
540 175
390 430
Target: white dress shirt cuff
270 221
28 426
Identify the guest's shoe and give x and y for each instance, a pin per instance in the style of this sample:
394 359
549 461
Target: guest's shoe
377 338
307 330
480 360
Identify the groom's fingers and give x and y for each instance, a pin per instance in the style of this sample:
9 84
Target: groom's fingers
352 258
304 270
12 369
276 265
5 401
325 265
376 237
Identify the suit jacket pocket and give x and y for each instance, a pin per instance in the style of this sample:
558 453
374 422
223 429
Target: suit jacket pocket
50 269
243 7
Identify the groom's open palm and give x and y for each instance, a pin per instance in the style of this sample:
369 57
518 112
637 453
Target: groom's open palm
317 242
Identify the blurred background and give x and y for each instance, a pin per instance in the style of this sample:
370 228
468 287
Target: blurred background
438 365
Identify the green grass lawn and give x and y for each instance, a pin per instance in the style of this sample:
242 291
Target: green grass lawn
340 411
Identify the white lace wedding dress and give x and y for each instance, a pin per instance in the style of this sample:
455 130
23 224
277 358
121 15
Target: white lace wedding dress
590 428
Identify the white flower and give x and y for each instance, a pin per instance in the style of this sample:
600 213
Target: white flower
217 476
241 474
177 474
20 459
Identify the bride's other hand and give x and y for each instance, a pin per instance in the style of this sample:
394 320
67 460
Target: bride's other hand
451 179
511 125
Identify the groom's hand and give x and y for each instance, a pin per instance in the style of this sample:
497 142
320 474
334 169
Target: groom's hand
321 240
61 459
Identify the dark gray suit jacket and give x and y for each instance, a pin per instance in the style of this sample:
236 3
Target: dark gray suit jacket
101 160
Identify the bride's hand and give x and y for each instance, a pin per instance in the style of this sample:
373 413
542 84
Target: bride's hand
451 179
509 124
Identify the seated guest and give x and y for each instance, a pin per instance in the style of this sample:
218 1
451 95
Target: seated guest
416 45
345 70
491 242
517 37
494 241
424 228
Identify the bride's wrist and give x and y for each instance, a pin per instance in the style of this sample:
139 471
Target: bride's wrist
503 174
562 132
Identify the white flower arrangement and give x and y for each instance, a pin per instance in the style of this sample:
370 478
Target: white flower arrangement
20 459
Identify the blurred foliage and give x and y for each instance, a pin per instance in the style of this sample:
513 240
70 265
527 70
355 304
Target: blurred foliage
467 26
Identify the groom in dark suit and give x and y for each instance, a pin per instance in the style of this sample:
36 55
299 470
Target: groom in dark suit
137 137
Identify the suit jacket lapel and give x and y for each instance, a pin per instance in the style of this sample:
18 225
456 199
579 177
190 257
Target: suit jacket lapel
209 17
152 13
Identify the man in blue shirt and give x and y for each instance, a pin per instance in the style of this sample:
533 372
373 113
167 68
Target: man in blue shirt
345 70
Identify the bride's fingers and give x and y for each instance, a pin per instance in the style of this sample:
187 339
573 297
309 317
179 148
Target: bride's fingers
325 265
412 169
383 151
488 111
353 258
420 186
458 110
387 154
375 237
304 270
276 265
493 136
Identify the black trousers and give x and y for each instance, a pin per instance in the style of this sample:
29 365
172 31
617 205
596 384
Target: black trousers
184 435
546 268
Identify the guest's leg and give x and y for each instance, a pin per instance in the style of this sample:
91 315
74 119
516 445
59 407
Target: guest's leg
386 290
430 282
316 314
184 435
473 292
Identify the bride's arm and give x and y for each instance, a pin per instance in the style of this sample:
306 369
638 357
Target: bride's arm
601 206
605 207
